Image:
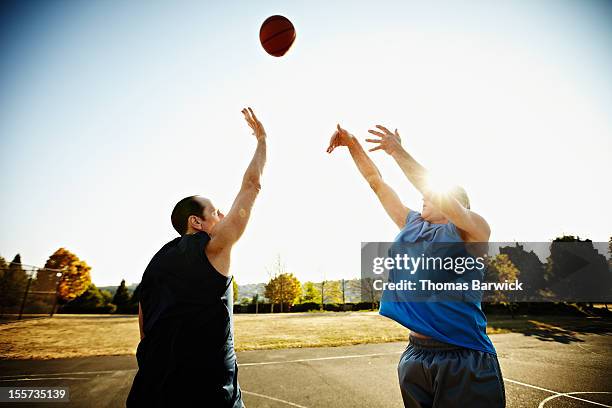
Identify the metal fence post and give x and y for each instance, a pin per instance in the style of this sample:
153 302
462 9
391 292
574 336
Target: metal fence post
59 280
25 296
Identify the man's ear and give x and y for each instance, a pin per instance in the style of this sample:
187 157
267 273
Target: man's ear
194 222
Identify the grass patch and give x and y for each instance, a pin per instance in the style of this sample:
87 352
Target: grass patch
97 335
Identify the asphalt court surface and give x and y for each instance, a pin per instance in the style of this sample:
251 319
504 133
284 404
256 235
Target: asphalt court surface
540 373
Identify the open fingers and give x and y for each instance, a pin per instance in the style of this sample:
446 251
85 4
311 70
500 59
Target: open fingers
253 124
250 115
247 116
376 133
374 140
253 115
384 129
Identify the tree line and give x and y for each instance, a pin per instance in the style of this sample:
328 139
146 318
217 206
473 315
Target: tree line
64 285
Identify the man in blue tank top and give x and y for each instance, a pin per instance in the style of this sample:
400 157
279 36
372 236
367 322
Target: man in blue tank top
186 355
450 361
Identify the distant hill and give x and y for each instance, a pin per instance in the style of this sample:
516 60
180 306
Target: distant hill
249 290
113 289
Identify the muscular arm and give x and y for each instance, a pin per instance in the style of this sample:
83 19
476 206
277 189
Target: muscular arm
414 172
386 195
230 229
474 226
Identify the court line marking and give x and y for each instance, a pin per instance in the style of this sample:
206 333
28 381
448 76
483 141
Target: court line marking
273 399
73 373
590 351
557 394
239 365
568 394
302 360
42 379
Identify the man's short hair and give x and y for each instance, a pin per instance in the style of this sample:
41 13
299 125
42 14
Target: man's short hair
185 208
461 195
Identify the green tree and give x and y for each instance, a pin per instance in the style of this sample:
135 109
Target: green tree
576 271
3 283
12 284
3 267
368 292
122 298
93 300
530 270
332 292
235 289
310 293
284 289
499 269
108 297
46 280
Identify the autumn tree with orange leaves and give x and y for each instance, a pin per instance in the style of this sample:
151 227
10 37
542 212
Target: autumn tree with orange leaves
75 277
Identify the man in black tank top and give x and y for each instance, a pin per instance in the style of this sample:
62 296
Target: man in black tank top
186 354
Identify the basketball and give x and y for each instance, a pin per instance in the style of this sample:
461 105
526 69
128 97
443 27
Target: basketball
277 34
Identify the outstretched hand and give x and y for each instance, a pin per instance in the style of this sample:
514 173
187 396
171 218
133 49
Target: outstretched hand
254 123
341 137
389 142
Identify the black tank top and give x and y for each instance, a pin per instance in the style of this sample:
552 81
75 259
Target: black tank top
187 356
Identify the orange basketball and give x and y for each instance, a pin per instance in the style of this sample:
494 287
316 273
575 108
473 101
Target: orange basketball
277 34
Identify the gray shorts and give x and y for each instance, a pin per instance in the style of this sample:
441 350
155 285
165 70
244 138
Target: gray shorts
439 375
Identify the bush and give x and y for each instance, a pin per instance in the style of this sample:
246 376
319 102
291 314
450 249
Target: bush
76 309
365 306
90 301
263 308
306 307
332 307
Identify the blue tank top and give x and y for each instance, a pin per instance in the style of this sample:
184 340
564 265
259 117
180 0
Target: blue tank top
461 323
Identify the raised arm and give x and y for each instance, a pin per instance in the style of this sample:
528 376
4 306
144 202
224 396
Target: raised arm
231 227
386 195
474 226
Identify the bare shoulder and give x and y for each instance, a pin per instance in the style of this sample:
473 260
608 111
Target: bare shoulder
218 255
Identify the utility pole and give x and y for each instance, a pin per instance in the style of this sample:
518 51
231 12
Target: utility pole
323 295
282 293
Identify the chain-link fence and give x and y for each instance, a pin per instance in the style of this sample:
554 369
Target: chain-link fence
27 291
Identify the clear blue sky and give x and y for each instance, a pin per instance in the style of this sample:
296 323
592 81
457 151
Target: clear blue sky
111 111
